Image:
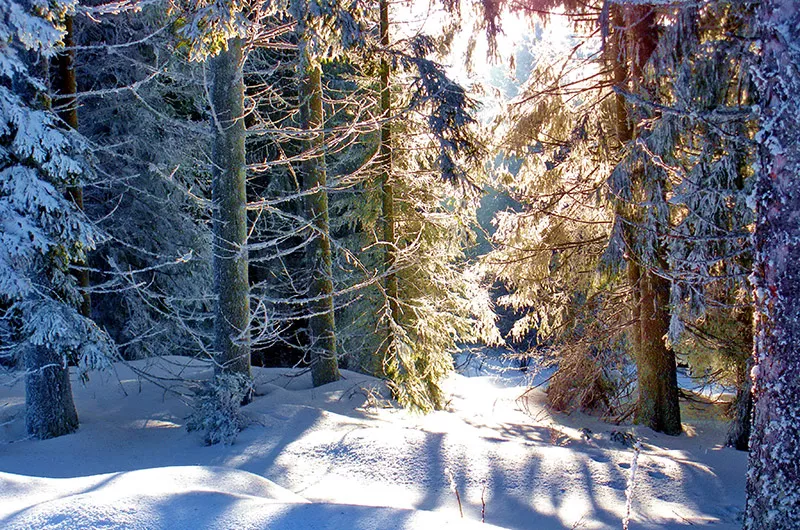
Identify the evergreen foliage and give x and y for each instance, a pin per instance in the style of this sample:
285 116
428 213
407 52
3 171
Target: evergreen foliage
42 233
149 146
666 200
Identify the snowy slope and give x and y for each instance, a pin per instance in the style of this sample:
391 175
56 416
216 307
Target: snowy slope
336 457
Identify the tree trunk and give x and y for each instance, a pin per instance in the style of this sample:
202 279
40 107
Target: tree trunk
321 323
231 285
624 132
742 409
658 405
49 407
773 476
389 237
66 87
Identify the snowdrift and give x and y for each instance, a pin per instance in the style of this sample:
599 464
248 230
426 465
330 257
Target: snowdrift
340 456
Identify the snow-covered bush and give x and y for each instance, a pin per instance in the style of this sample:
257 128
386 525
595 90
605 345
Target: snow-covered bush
217 408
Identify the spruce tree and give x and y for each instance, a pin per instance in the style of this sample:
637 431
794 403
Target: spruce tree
65 87
144 109
216 30
321 320
643 185
386 168
42 233
229 202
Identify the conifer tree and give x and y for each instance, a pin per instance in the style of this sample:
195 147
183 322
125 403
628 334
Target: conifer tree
321 319
66 86
41 232
433 298
677 189
386 166
708 247
144 110
643 185
217 30
577 243
229 201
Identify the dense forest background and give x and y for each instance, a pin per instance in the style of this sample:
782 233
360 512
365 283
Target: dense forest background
312 185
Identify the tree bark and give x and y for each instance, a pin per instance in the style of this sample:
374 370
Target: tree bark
231 285
321 322
658 406
49 407
624 132
65 87
773 476
390 255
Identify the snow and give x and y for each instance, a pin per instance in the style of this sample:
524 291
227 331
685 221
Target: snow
341 456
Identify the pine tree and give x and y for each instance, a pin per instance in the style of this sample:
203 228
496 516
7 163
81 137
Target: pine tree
773 476
42 233
321 320
229 202
217 30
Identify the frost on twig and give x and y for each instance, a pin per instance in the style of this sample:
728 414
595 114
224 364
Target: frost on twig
454 489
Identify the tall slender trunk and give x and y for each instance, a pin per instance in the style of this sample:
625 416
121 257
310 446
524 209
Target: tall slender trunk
231 285
624 132
773 475
390 255
658 406
65 87
321 322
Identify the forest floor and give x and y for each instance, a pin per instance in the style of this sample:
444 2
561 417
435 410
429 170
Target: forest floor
342 457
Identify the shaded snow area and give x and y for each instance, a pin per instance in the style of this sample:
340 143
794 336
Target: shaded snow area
341 457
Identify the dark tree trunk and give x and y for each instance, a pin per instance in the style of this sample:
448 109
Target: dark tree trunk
742 409
49 408
231 285
65 86
389 237
658 406
773 476
321 324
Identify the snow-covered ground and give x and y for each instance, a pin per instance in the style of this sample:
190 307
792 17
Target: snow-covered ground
340 457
